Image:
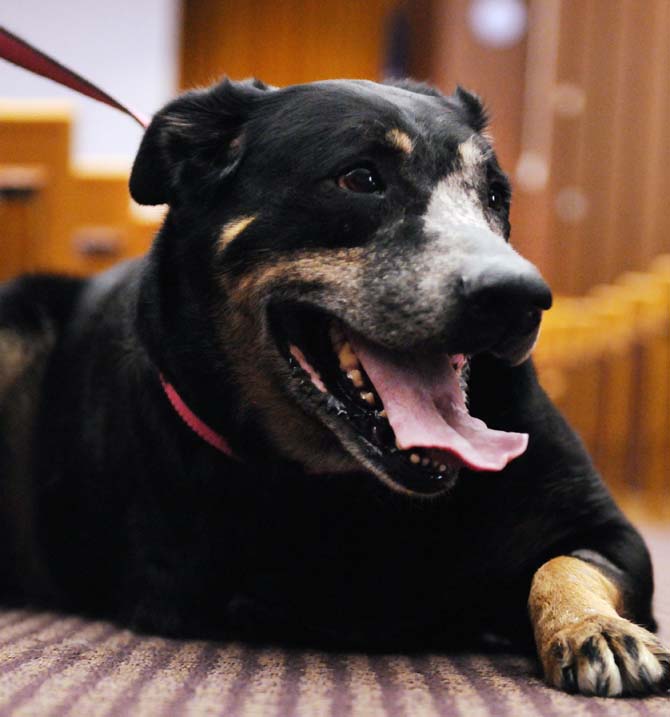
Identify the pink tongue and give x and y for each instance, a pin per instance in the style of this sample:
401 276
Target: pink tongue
426 408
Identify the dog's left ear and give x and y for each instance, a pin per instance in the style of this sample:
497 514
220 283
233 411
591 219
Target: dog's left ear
194 141
475 113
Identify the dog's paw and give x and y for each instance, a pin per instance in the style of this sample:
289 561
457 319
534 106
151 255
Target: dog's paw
606 656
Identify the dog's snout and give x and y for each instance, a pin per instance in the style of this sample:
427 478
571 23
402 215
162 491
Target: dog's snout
494 291
495 300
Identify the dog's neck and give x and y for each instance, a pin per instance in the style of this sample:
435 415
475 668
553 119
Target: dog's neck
197 425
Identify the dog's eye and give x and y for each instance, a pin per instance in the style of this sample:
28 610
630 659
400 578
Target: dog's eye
496 197
360 180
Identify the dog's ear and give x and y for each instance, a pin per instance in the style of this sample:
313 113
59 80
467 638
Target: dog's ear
196 138
473 109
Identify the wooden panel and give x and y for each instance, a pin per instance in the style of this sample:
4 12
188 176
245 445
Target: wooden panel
39 134
282 43
496 74
20 205
655 210
608 102
567 158
629 136
594 241
82 221
531 207
16 237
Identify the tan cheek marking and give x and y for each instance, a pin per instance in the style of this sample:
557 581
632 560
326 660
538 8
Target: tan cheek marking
331 268
300 437
233 229
400 140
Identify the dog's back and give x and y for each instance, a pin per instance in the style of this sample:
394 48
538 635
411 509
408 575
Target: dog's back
33 312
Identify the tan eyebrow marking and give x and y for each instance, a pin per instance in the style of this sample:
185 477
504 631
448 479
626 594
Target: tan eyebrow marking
232 229
471 154
400 140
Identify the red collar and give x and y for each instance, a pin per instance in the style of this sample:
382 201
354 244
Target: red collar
198 426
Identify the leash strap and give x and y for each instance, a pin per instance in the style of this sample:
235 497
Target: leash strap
198 426
21 53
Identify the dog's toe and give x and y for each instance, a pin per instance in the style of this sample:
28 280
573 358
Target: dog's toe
607 657
643 662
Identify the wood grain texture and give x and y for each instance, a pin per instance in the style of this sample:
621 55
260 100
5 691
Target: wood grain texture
41 233
282 43
611 150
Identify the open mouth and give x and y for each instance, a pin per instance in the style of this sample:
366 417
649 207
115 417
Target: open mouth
402 414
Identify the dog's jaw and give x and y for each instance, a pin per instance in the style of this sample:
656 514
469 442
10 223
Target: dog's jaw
419 448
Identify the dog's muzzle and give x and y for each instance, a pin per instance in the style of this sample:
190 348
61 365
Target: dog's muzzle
496 300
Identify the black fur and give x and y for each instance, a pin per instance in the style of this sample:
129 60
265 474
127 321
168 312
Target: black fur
126 513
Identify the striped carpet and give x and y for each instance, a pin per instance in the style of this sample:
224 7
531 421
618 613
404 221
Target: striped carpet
52 666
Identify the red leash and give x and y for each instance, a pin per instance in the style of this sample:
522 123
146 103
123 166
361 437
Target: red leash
21 53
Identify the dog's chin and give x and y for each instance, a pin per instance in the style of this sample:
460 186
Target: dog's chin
346 404
517 349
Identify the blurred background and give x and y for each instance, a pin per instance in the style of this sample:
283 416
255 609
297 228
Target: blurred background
579 92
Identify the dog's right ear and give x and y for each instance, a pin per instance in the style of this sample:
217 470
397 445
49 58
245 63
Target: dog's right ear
194 141
475 113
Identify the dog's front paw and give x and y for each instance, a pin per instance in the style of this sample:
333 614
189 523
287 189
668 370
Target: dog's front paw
606 656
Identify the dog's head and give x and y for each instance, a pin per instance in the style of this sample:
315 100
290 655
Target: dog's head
355 240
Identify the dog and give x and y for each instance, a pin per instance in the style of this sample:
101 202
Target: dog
309 413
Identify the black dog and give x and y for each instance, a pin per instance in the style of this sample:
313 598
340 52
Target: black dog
239 433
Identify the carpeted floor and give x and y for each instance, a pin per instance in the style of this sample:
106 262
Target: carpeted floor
59 666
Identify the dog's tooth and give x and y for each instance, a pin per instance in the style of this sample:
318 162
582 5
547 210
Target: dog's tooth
415 458
347 357
369 397
442 468
425 461
356 377
382 413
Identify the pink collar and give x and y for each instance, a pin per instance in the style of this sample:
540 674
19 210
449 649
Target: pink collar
209 435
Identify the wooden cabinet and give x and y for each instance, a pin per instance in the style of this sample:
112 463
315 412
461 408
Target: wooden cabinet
20 202
54 216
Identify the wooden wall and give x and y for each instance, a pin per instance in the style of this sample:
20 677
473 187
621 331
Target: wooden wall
55 216
282 43
602 70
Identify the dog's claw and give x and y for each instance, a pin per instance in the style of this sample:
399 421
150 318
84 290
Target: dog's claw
607 656
569 681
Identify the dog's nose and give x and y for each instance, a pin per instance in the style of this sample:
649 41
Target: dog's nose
510 296
491 289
